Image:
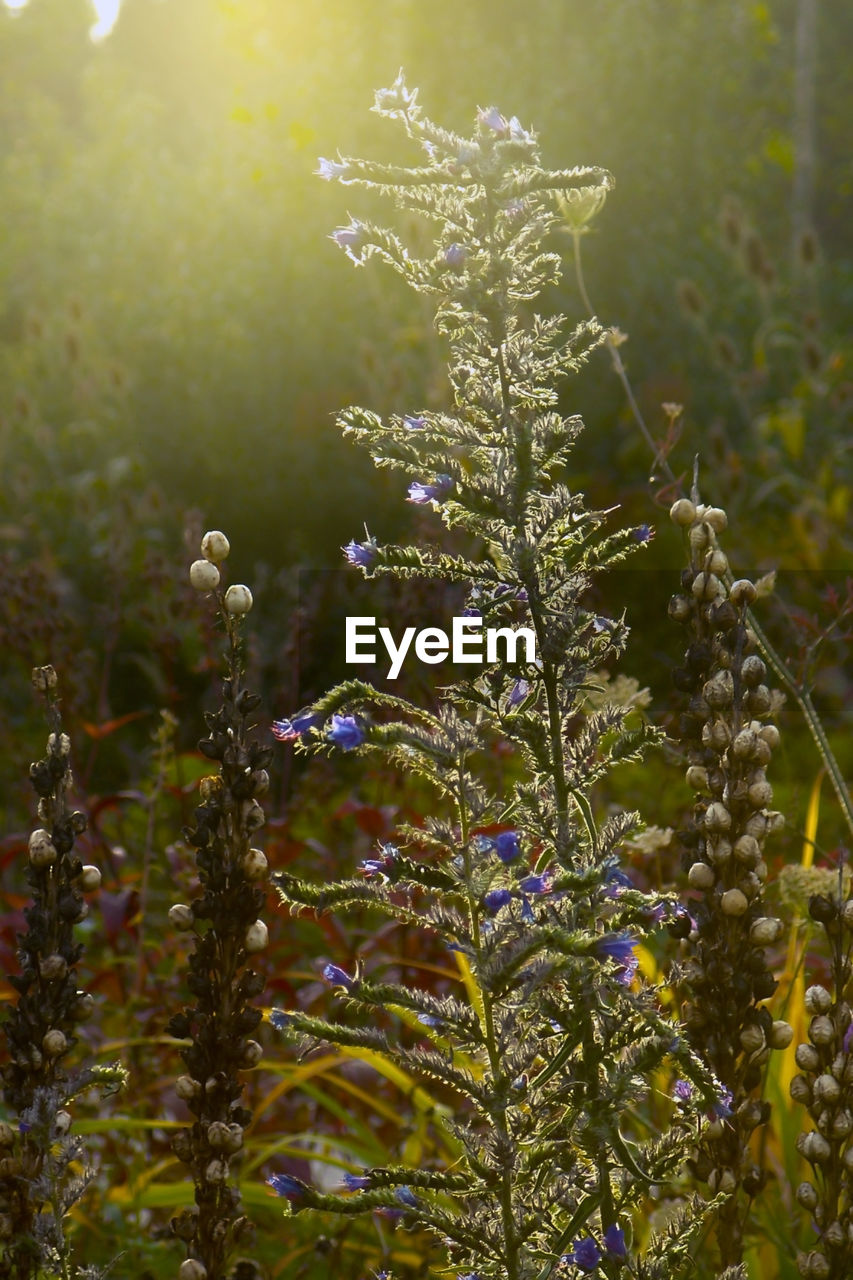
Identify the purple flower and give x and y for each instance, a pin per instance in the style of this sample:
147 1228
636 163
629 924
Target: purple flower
289 730
492 119
284 1185
427 1020
527 912
585 1254
507 847
345 732
279 1019
414 424
722 1108
620 948
643 533
614 1241
421 493
497 898
330 169
536 884
471 613
372 867
338 977
682 1091
356 1181
455 255
517 133
350 237
848 1039
518 692
360 554
406 1196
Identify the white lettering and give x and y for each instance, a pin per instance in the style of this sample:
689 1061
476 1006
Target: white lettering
354 639
462 642
512 638
396 653
432 645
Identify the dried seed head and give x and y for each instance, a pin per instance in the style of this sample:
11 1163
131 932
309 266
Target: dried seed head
238 600
717 735
186 1088
204 576
682 512
42 849
806 1195
53 967
817 999
254 865
826 1089
251 1055
800 1089
752 1038
821 1030
257 937
215 546
54 1043
717 817
733 902
90 879
181 916
742 592
701 876
44 679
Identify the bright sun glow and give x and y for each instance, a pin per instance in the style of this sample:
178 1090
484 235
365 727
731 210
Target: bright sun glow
106 12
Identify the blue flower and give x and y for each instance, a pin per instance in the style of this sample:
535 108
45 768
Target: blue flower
518 693
722 1108
284 1185
413 423
279 1019
345 732
360 554
428 1020
350 238
455 255
682 1091
507 847
614 1241
620 948
643 533
527 912
330 169
497 898
517 133
406 1196
338 977
585 1254
471 613
421 493
492 119
289 730
536 884
356 1181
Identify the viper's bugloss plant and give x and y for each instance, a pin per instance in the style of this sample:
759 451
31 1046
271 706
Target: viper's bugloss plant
551 1042
40 1171
228 934
729 735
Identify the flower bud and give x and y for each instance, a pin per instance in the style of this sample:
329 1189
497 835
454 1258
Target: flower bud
254 865
54 1043
181 916
90 879
682 512
701 876
817 1000
204 576
742 592
733 903
215 546
781 1034
238 600
765 930
42 849
257 937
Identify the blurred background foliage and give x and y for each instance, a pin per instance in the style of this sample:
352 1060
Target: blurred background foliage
177 332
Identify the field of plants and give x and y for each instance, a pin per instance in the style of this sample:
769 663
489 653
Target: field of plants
528 321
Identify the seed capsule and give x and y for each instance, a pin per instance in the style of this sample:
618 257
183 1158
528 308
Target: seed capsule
817 999
826 1089
781 1034
255 865
186 1088
42 849
215 546
181 916
742 592
682 512
257 937
806 1195
192 1270
717 817
701 876
733 902
251 1055
821 1030
764 931
716 518
747 850
752 1038
53 967
800 1089
90 879
238 600
204 576
707 586
54 1043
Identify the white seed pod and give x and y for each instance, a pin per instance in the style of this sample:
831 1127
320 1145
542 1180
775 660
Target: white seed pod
192 1270
815 1148
806 1195
742 592
717 735
800 1090
699 540
90 879
53 967
807 1058
717 817
821 1030
257 937
760 700
717 562
238 599
744 744
752 1038
716 518
251 1055
204 576
260 781
253 816
734 902
234 1140
775 821
826 1089
842 1123
682 512
766 930
781 1034
697 777
54 1043
747 850
752 670
760 794
719 691
255 865
216 1171
217 1134
762 753
771 735
707 586
42 849
181 917
719 850
817 999
186 1088
215 546
701 876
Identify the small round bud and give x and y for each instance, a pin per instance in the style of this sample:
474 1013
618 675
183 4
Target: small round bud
90 879
821 1030
682 512
747 850
717 817
254 865
817 999
766 930
42 849
716 518
706 586
192 1270
53 967
257 937
827 1089
238 600
717 562
251 1055
181 917
752 1038
800 1090
701 876
204 576
760 794
733 902
54 1043
186 1088
215 546
806 1195
742 592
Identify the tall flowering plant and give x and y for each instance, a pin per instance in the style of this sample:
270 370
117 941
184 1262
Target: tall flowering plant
551 1038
